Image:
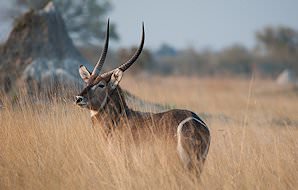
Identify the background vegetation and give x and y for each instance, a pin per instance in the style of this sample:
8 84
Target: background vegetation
276 49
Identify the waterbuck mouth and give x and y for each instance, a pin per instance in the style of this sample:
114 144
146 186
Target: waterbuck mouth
82 104
80 101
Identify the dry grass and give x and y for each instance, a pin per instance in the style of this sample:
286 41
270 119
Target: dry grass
53 146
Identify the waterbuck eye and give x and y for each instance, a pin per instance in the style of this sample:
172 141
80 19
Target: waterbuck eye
101 85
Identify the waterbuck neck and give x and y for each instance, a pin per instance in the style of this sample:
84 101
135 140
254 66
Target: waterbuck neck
113 110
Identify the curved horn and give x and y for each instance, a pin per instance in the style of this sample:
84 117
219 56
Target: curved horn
127 64
102 58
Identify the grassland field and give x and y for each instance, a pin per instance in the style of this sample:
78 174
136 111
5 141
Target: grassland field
254 140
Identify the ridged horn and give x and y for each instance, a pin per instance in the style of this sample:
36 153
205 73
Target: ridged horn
127 64
102 58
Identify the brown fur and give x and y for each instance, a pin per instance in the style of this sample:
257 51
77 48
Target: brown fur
195 136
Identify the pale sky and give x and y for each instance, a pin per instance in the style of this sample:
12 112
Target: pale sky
199 23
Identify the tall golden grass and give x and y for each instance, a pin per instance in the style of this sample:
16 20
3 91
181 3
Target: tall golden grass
253 127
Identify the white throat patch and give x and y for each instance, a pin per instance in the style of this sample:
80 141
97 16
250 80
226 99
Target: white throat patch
93 112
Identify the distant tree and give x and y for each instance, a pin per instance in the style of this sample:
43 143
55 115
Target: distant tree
278 40
85 19
280 43
235 54
166 50
235 59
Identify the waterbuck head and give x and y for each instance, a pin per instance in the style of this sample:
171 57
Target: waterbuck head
100 86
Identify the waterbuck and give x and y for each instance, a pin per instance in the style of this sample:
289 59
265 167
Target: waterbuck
105 100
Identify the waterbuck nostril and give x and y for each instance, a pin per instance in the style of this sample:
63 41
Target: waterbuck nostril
79 99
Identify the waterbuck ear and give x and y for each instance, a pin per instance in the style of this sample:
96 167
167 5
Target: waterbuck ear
84 73
115 78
